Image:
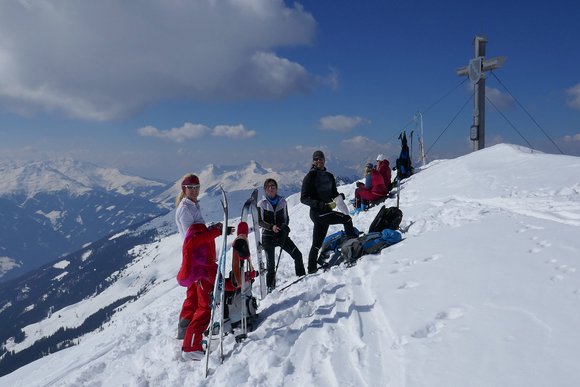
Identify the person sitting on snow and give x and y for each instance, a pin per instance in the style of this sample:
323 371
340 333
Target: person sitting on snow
384 169
372 189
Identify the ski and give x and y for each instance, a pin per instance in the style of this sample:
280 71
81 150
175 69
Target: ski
219 288
251 208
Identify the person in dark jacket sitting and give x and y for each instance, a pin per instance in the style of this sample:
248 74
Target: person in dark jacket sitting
318 192
273 219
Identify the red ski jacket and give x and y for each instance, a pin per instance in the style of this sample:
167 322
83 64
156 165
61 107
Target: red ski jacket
385 170
199 256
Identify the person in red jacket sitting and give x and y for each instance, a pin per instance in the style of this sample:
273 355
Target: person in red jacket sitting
385 170
372 189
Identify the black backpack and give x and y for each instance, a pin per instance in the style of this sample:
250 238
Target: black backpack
387 218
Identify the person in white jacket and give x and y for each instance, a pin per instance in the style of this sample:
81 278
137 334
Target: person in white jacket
188 211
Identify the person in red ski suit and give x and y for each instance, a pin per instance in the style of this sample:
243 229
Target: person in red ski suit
198 268
372 189
385 170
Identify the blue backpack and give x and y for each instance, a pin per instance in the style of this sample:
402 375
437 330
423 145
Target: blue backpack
376 241
332 243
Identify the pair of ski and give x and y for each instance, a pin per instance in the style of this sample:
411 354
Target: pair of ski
250 207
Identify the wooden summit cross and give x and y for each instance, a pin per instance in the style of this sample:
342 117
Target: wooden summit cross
476 72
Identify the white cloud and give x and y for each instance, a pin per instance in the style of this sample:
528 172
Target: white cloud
341 123
190 131
574 93
359 142
500 100
574 138
107 59
234 132
187 132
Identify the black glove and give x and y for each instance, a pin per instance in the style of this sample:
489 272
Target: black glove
231 230
285 229
343 197
217 225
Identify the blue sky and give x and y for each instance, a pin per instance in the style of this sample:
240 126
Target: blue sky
160 88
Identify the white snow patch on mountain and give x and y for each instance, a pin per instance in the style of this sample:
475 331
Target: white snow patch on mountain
61 265
60 276
86 255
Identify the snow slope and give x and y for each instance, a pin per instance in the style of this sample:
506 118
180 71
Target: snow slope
483 291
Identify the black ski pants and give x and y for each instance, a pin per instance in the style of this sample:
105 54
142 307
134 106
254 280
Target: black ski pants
321 223
285 243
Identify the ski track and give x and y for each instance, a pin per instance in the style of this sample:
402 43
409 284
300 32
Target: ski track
334 309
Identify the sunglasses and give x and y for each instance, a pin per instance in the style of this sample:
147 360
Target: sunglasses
271 186
191 186
318 159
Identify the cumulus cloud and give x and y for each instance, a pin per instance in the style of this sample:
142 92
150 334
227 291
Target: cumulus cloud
574 97
107 59
187 132
190 131
234 132
341 123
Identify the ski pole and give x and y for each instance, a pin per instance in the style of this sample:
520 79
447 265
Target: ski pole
398 190
280 254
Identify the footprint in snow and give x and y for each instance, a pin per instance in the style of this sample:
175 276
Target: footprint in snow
540 245
557 277
566 269
408 285
434 257
438 324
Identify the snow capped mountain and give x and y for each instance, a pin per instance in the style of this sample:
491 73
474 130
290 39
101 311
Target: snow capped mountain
75 177
483 291
52 207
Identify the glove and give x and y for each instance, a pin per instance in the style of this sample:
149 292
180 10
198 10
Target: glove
285 229
231 230
342 195
332 205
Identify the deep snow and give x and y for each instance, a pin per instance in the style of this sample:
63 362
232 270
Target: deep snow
483 291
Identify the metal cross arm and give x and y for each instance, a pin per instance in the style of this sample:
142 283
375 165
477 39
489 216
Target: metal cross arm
486 64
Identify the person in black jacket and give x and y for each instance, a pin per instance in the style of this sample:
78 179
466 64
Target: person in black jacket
273 219
318 192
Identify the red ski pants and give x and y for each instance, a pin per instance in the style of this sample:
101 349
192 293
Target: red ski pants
197 309
365 194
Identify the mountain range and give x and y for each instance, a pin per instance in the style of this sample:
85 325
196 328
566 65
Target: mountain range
50 208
